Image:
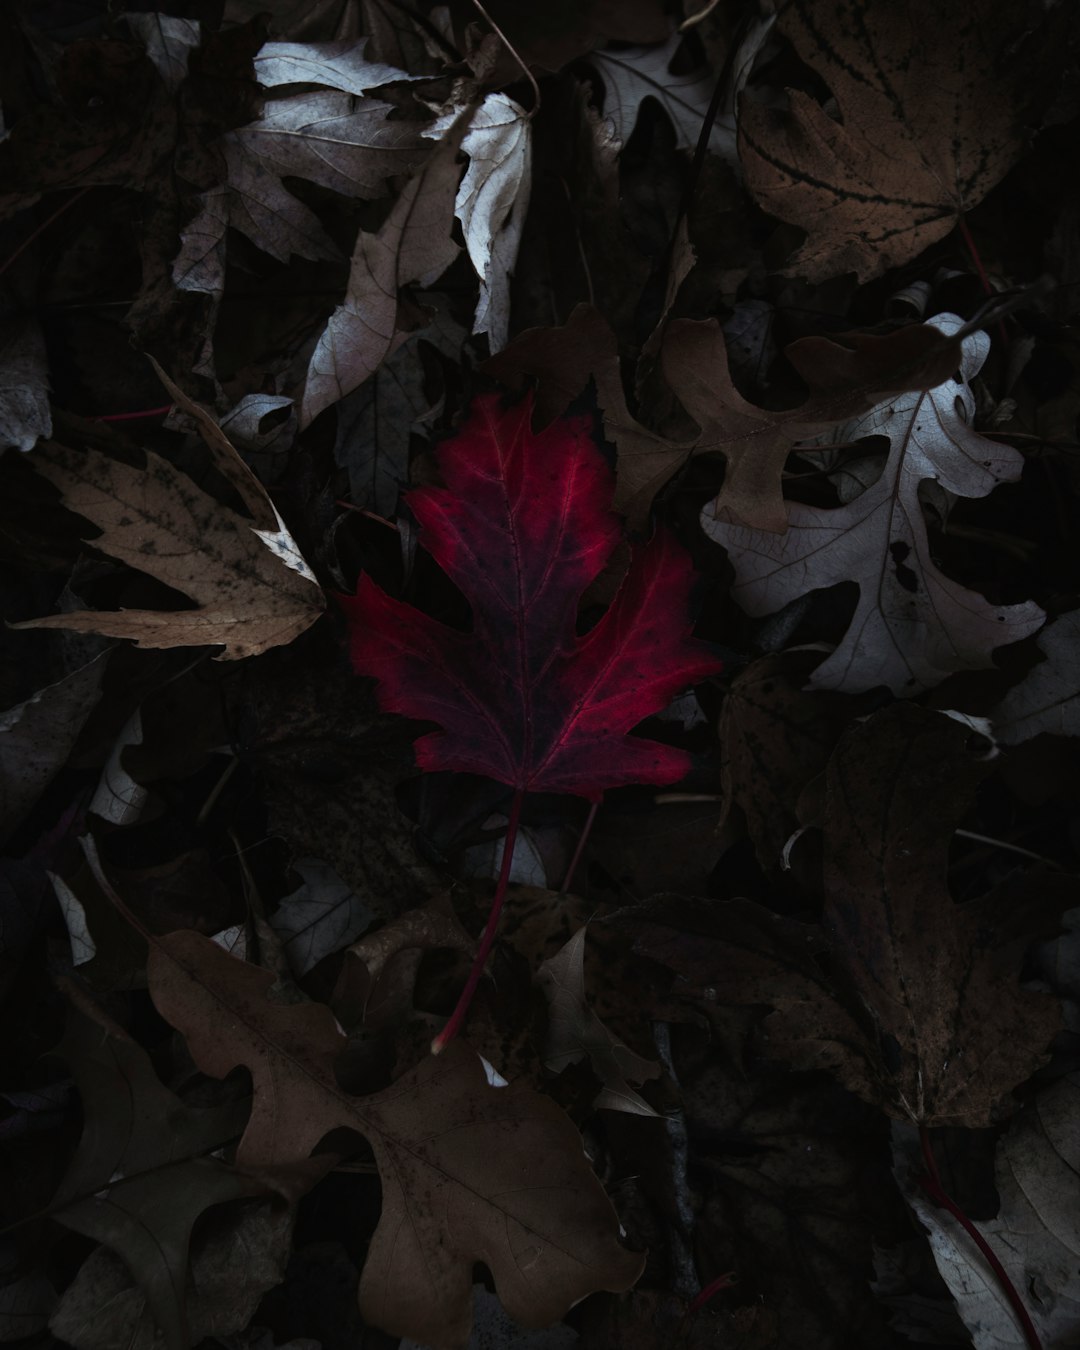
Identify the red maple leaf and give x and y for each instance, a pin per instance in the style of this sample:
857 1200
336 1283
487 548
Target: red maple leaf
523 526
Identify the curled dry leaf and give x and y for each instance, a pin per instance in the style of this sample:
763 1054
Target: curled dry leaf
912 625
492 203
469 1172
252 588
931 106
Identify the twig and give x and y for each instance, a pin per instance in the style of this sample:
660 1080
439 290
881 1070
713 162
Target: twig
514 53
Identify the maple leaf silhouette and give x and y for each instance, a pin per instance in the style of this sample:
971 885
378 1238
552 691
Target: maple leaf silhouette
522 527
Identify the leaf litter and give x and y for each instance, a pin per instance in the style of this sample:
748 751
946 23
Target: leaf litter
624 471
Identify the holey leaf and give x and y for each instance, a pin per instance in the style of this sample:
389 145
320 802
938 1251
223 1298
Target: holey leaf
912 625
469 1172
522 526
252 588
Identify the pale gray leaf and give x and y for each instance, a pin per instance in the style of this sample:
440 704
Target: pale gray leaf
636 73
912 625
335 140
339 65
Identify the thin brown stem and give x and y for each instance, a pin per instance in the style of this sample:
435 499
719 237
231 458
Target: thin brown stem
457 1017
932 1185
514 53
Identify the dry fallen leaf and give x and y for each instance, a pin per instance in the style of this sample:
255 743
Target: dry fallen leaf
939 979
931 106
414 244
492 203
633 74
253 589
575 1031
469 1172
912 625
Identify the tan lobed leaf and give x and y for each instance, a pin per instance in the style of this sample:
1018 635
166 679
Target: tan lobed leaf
1047 699
931 104
414 244
1036 1231
252 588
845 377
940 979
469 1172
912 625
575 1031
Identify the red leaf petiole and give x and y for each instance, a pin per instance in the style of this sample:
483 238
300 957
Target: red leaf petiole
457 1017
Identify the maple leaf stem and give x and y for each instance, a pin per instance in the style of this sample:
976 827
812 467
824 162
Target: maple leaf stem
457 1017
969 244
583 839
725 1281
932 1185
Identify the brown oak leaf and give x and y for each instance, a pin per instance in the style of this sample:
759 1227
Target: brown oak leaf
469 1172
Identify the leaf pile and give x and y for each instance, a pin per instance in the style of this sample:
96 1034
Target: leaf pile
544 532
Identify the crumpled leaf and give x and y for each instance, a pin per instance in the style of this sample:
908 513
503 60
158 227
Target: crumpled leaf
469 1172
414 244
25 415
1035 1233
522 527
912 625
492 203
931 105
634 74
1047 699
37 735
253 589
575 1031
